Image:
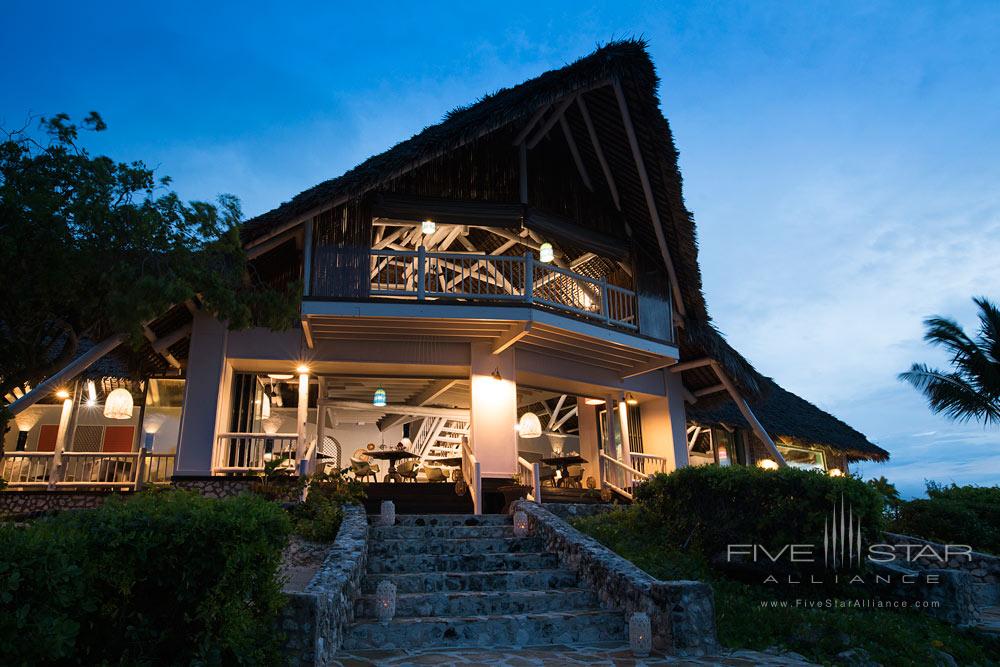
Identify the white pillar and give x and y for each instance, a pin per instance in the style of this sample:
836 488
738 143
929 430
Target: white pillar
302 415
203 393
663 424
623 424
64 419
610 446
494 411
587 419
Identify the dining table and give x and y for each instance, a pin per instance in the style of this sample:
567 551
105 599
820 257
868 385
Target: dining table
392 456
563 462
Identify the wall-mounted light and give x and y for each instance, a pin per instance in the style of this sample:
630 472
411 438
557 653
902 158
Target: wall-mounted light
631 400
379 398
767 464
428 227
91 392
496 374
62 393
546 253
302 369
594 401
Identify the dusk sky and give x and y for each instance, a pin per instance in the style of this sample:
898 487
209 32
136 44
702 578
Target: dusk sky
842 160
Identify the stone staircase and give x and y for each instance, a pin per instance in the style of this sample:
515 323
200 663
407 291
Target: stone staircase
466 581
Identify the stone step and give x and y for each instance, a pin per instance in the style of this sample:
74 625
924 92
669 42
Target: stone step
488 603
447 520
387 548
431 582
565 627
498 562
438 532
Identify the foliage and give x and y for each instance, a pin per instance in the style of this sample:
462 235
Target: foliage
167 577
890 637
890 496
276 481
706 508
338 487
318 518
955 515
972 389
92 247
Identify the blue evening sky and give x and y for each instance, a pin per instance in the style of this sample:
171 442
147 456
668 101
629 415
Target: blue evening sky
842 159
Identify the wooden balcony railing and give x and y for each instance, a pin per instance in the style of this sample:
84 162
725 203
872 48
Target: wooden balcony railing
121 470
248 452
436 276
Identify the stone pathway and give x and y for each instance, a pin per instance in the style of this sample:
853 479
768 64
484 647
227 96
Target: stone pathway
544 656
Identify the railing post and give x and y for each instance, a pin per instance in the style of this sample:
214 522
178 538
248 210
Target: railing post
421 272
605 309
529 277
478 487
536 481
140 469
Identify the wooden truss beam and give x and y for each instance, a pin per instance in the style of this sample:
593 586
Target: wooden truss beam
551 120
748 414
432 392
688 365
600 153
580 167
515 334
647 367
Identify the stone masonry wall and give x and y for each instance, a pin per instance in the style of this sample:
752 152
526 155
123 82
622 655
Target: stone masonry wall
682 613
28 503
983 569
314 620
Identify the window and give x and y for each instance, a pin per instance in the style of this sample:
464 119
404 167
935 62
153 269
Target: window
800 457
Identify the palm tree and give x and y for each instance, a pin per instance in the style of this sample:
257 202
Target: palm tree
972 389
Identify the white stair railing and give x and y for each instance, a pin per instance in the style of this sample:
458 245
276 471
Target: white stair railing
531 472
649 464
619 477
473 476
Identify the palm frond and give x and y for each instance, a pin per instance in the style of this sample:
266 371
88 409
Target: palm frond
952 395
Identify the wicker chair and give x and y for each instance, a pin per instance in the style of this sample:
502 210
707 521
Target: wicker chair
363 470
435 474
408 470
547 474
574 477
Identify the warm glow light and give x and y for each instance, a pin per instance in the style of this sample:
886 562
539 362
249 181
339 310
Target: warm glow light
594 401
302 369
545 253
265 406
91 392
428 227
118 405
631 400
271 425
767 464
62 393
285 376
529 426
379 399
835 472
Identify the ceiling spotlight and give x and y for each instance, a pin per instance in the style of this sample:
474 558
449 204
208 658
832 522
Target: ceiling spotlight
594 401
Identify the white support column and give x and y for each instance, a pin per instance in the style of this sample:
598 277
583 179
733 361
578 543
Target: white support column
64 418
494 410
663 427
302 414
611 448
587 421
623 424
203 394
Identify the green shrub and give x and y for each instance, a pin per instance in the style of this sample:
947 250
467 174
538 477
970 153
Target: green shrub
706 508
167 577
954 514
318 518
336 486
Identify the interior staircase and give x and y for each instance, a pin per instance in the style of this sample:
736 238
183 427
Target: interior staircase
440 438
466 581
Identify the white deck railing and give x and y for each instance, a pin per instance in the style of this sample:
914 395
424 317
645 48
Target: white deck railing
123 470
649 464
531 475
620 477
427 276
248 452
472 473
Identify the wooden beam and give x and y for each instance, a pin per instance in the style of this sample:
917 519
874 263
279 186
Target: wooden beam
647 367
522 173
600 153
515 334
519 139
689 397
555 413
551 120
432 392
748 414
705 391
565 418
584 176
647 190
688 365
307 333
416 410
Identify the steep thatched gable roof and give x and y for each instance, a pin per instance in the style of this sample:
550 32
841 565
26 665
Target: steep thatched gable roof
793 419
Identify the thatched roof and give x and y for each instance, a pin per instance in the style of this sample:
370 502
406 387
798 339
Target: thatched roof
793 419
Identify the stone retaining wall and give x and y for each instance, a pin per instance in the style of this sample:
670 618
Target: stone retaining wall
682 613
570 511
983 569
215 487
29 503
314 620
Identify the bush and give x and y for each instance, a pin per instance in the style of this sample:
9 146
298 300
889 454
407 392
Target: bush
954 514
167 577
318 518
337 487
706 508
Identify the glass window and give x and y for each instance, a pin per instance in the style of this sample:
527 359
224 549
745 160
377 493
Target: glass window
800 457
161 419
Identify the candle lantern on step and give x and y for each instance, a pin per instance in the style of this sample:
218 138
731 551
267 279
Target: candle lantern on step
388 513
385 598
640 638
521 527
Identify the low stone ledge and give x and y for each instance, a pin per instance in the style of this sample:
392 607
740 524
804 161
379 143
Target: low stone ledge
568 511
983 569
314 620
26 504
681 613
215 487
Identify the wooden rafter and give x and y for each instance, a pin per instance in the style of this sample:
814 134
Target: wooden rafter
600 153
551 120
580 167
